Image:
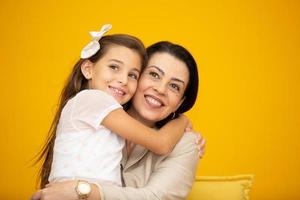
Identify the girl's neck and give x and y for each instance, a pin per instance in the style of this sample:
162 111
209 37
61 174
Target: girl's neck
133 113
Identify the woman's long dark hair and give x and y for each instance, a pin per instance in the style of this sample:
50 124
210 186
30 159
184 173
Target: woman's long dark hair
191 90
74 84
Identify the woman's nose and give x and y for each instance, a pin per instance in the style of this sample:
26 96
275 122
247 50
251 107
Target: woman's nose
160 88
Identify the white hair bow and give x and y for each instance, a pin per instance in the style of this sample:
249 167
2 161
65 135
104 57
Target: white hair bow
93 47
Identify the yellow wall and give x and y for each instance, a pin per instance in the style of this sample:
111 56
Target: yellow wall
248 55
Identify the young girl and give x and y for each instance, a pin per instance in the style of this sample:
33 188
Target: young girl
84 142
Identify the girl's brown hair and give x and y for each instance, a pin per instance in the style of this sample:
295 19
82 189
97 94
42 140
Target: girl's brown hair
74 84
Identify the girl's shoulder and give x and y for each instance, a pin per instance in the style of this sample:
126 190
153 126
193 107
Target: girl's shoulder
92 97
91 92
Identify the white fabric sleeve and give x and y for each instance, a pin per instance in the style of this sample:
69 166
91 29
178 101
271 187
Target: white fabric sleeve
92 106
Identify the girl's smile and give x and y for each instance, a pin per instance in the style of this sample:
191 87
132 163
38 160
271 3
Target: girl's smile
116 73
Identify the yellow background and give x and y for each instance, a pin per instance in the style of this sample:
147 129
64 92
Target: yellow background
248 54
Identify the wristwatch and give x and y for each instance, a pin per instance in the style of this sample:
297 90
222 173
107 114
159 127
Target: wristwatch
83 189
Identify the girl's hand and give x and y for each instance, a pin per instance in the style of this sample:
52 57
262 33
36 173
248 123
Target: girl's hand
59 190
200 142
189 127
184 118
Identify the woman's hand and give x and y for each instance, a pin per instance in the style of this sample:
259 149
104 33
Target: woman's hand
59 190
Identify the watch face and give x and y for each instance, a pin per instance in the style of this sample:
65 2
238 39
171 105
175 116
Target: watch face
84 188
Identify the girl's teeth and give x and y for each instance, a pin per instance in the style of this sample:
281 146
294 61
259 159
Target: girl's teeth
118 91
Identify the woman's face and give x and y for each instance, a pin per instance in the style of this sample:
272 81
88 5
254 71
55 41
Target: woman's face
161 87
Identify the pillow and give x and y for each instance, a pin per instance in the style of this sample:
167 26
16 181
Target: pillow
221 188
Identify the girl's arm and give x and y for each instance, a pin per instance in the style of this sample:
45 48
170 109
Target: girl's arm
158 141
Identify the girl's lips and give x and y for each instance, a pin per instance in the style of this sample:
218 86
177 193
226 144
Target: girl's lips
153 101
117 91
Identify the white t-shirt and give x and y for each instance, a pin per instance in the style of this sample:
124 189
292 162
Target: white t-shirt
84 149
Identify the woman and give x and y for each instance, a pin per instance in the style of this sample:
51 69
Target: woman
167 87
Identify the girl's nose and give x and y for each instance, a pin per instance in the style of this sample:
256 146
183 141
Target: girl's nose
123 79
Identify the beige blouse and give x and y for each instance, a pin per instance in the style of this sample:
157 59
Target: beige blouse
147 176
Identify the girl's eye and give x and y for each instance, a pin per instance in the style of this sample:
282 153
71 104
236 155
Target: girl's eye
154 74
114 67
175 86
133 76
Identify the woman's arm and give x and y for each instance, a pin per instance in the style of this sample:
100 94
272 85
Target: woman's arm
63 190
127 127
172 179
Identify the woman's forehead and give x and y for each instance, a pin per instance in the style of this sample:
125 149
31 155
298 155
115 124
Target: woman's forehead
168 65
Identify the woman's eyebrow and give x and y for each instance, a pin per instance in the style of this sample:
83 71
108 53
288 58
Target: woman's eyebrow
163 73
178 80
160 70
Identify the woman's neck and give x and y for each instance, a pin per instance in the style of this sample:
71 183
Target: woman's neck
133 113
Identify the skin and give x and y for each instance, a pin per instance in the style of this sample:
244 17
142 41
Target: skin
116 73
159 93
160 90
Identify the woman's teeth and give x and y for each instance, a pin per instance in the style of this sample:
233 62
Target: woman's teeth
153 102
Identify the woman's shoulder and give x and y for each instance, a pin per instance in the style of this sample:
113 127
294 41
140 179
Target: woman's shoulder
187 143
187 137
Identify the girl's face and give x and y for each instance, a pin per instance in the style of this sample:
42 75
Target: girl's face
161 87
116 73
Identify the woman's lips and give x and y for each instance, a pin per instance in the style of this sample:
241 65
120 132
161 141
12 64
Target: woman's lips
153 101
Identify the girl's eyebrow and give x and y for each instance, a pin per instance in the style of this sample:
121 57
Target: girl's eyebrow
119 61
137 70
116 60
163 73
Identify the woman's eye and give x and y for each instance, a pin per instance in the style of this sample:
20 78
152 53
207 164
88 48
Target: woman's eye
133 76
114 67
154 74
175 86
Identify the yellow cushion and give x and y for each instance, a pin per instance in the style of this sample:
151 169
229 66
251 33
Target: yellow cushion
221 188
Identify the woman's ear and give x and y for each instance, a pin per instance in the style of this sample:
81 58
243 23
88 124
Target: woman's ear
179 104
87 69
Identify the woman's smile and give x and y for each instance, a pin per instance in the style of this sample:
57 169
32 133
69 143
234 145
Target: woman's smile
153 101
161 87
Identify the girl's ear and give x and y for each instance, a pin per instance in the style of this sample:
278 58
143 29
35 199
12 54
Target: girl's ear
87 69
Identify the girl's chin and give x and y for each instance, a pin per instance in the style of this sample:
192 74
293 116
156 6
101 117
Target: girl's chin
120 99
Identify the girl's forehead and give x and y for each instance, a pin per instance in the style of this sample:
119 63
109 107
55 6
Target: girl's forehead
122 56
